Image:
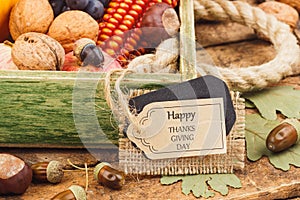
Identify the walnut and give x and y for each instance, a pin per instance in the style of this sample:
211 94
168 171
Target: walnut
37 51
72 25
281 11
293 3
30 16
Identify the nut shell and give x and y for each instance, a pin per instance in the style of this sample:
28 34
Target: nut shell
293 3
106 175
79 45
55 171
72 25
283 136
281 11
78 192
37 51
30 16
152 24
15 175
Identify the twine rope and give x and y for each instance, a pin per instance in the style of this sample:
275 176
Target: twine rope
165 59
286 62
119 106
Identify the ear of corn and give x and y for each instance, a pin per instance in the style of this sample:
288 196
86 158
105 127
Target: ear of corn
119 33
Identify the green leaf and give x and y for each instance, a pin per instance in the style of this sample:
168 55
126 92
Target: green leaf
282 98
198 184
249 104
256 132
219 183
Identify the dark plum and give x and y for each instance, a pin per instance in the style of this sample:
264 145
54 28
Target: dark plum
95 9
105 2
77 4
57 6
65 8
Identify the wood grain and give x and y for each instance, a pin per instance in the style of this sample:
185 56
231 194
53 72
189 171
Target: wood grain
63 109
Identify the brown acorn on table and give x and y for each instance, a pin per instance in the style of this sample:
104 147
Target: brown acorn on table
283 136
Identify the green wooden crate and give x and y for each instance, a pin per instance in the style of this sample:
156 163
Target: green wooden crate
68 109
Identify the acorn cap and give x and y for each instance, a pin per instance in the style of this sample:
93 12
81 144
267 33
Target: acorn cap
98 168
295 123
54 171
78 192
79 45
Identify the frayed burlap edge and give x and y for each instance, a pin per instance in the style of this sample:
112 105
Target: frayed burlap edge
133 161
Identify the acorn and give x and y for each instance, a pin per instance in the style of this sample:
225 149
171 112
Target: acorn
74 192
47 171
15 175
106 175
283 136
88 52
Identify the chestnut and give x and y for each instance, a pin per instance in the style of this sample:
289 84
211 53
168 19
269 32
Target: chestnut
283 136
159 23
88 52
15 174
74 192
106 175
47 171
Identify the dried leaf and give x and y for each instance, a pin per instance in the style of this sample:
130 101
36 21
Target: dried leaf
222 180
198 184
257 130
283 98
249 104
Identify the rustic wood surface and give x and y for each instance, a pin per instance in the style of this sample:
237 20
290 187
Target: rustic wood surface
260 180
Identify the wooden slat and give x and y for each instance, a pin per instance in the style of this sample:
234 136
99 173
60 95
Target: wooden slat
187 40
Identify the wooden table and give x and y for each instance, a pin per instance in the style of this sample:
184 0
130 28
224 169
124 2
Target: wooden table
260 180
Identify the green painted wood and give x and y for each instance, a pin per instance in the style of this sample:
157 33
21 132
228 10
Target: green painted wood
68 109
61 109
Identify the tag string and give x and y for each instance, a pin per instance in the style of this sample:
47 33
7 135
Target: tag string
119 105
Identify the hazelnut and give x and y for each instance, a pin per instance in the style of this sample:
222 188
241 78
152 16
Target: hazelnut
30 16
72 25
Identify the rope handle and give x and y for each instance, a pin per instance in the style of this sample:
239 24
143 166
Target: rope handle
286 62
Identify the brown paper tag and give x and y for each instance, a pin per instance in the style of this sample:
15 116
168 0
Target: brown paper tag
173 129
